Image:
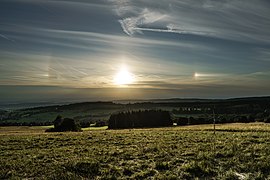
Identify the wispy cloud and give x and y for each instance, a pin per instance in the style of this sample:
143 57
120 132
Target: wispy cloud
233 20
5 37
131 25
263 54
84 39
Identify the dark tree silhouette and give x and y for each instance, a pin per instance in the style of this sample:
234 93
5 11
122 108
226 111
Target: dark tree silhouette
140 119
66 124
58 121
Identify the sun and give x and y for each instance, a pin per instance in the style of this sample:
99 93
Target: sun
123 77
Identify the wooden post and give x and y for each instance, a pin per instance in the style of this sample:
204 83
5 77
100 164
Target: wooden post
214 120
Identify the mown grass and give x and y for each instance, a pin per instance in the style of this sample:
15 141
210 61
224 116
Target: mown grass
236 151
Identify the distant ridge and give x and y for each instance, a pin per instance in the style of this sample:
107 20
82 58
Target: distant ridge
128 101
193 99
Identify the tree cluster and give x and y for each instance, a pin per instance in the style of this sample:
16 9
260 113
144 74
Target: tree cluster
66 124
140 119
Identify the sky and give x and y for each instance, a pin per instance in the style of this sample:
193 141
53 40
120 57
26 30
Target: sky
64 50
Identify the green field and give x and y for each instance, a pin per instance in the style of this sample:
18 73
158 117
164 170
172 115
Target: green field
236 151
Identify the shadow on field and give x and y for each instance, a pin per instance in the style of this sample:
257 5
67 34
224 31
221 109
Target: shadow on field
85 169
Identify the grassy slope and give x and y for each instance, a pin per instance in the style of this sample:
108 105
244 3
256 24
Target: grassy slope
237 150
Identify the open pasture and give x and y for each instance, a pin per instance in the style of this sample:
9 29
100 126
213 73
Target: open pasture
236 151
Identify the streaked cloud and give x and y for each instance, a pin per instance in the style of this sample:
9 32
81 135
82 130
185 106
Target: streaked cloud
234 20
131 25
5 37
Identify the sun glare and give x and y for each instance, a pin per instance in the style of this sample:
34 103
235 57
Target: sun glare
123 77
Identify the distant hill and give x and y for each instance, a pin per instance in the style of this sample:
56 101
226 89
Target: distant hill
101 111
187 100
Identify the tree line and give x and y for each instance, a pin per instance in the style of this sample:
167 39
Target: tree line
182 121
25 123
140 119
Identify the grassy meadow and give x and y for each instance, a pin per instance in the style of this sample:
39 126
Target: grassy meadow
235 151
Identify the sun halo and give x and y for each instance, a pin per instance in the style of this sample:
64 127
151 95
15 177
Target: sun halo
124 77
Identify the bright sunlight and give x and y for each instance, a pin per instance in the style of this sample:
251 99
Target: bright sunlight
123 77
